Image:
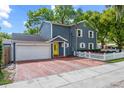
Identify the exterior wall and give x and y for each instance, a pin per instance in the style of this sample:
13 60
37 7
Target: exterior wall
60 49
69 33
63 31
45 30
84 37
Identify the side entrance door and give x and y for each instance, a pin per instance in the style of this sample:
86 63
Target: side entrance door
56 49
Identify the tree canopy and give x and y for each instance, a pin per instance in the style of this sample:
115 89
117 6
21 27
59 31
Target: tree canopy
109 24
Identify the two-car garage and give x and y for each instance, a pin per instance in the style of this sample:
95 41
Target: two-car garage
24 51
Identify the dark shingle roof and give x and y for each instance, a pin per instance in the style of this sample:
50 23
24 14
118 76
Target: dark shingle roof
23 37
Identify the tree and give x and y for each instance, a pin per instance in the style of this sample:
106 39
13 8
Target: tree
106 21
64 14
96 22
78 15
32 31
117 33
119 10
4 35
35 19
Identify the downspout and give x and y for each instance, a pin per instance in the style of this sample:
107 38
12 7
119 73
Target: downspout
14 53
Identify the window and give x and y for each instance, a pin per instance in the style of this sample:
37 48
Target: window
91 34
79 33
66 45
82 45
91 46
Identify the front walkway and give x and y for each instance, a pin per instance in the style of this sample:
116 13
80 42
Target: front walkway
100 76
30 70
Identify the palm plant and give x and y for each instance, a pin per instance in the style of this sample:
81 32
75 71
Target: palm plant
119 9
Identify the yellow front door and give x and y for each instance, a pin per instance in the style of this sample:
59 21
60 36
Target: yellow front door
56 49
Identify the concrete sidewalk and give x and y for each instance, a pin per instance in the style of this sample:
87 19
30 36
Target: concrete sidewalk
100 76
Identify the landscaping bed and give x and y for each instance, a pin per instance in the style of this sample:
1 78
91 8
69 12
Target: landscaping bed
7 75
4 78
97 51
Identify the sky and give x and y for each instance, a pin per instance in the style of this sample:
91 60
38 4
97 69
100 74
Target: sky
12 18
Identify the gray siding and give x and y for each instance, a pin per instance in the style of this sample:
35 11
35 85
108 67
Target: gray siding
45 30
84 38
63 31
69 33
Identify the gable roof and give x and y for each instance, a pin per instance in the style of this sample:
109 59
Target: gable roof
59 38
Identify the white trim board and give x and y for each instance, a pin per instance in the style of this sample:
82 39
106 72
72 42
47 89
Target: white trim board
84 45
58 37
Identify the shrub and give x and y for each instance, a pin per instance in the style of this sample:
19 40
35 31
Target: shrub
91 50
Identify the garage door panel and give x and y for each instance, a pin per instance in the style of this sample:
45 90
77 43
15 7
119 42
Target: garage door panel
32 52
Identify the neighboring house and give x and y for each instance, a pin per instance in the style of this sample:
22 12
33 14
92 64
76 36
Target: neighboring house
54 40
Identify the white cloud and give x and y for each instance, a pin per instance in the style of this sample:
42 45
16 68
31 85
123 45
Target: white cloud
4 15
4 10
6 24
52 7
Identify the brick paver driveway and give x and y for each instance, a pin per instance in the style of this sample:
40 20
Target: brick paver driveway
30 70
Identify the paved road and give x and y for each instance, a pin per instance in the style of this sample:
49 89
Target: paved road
109 75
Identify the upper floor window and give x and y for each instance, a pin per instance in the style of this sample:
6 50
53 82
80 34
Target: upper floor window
79 33
91 34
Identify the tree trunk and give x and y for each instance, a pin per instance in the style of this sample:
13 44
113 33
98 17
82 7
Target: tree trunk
102 44
0 69
62 20
120 48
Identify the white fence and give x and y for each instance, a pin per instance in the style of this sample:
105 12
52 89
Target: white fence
103 57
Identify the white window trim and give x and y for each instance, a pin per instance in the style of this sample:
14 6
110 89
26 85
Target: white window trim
83 45
66 45
89 45
80 31
92 34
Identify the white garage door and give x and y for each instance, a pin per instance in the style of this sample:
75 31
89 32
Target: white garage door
32 52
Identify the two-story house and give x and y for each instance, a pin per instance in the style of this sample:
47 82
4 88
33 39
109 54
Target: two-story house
65 39
54 40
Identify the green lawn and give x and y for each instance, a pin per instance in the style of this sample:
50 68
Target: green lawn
4 78
116 60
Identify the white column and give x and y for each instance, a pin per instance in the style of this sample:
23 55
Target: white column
64 50
104 55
